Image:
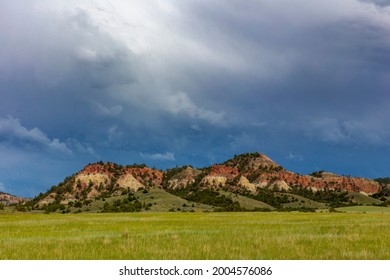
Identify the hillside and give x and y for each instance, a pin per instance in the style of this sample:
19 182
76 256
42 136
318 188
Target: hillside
247 182
7 199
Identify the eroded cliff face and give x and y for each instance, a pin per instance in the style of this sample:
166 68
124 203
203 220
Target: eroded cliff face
244 172
184 178
7 199
223 170
331 182
254 171
101 178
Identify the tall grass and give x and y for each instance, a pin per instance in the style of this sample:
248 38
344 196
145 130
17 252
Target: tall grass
195 236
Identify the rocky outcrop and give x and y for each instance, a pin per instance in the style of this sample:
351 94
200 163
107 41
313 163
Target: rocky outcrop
147 176
7 199
223 170
327 182
127 181
252 171
246 172
184 178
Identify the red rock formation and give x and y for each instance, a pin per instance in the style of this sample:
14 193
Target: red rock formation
146 174
331 182
257 168
222 170
97 168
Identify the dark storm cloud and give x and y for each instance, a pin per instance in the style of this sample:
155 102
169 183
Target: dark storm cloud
178 82
58 65
327 59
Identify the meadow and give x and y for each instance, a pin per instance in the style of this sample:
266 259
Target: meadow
203 236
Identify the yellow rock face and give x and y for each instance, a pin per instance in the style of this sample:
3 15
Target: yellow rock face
128 181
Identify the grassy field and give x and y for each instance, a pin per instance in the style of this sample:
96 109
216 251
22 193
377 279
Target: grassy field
364 209
271 235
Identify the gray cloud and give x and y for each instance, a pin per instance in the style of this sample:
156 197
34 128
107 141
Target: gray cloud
81 148
349 132
105 44
202 80
180 103
382 3
103 110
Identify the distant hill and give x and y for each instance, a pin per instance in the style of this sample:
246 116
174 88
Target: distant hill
7 199
247 182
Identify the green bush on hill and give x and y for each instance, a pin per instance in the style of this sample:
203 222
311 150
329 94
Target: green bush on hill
334 198
383 181
128 204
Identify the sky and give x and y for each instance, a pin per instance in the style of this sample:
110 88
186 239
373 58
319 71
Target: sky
174 82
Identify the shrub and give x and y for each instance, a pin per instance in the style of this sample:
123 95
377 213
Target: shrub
20 208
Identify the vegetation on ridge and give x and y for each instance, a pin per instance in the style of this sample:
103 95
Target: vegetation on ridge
109 187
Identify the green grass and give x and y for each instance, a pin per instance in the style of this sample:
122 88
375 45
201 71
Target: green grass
246 202
302 202
243 236
364 209
163 201
363 199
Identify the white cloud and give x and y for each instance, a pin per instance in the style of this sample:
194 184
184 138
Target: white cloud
2 187
56 144
180 103
87 55
12 128
196 127
292 156
158 156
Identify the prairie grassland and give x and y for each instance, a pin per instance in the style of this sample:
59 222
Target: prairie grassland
365 209
195 236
